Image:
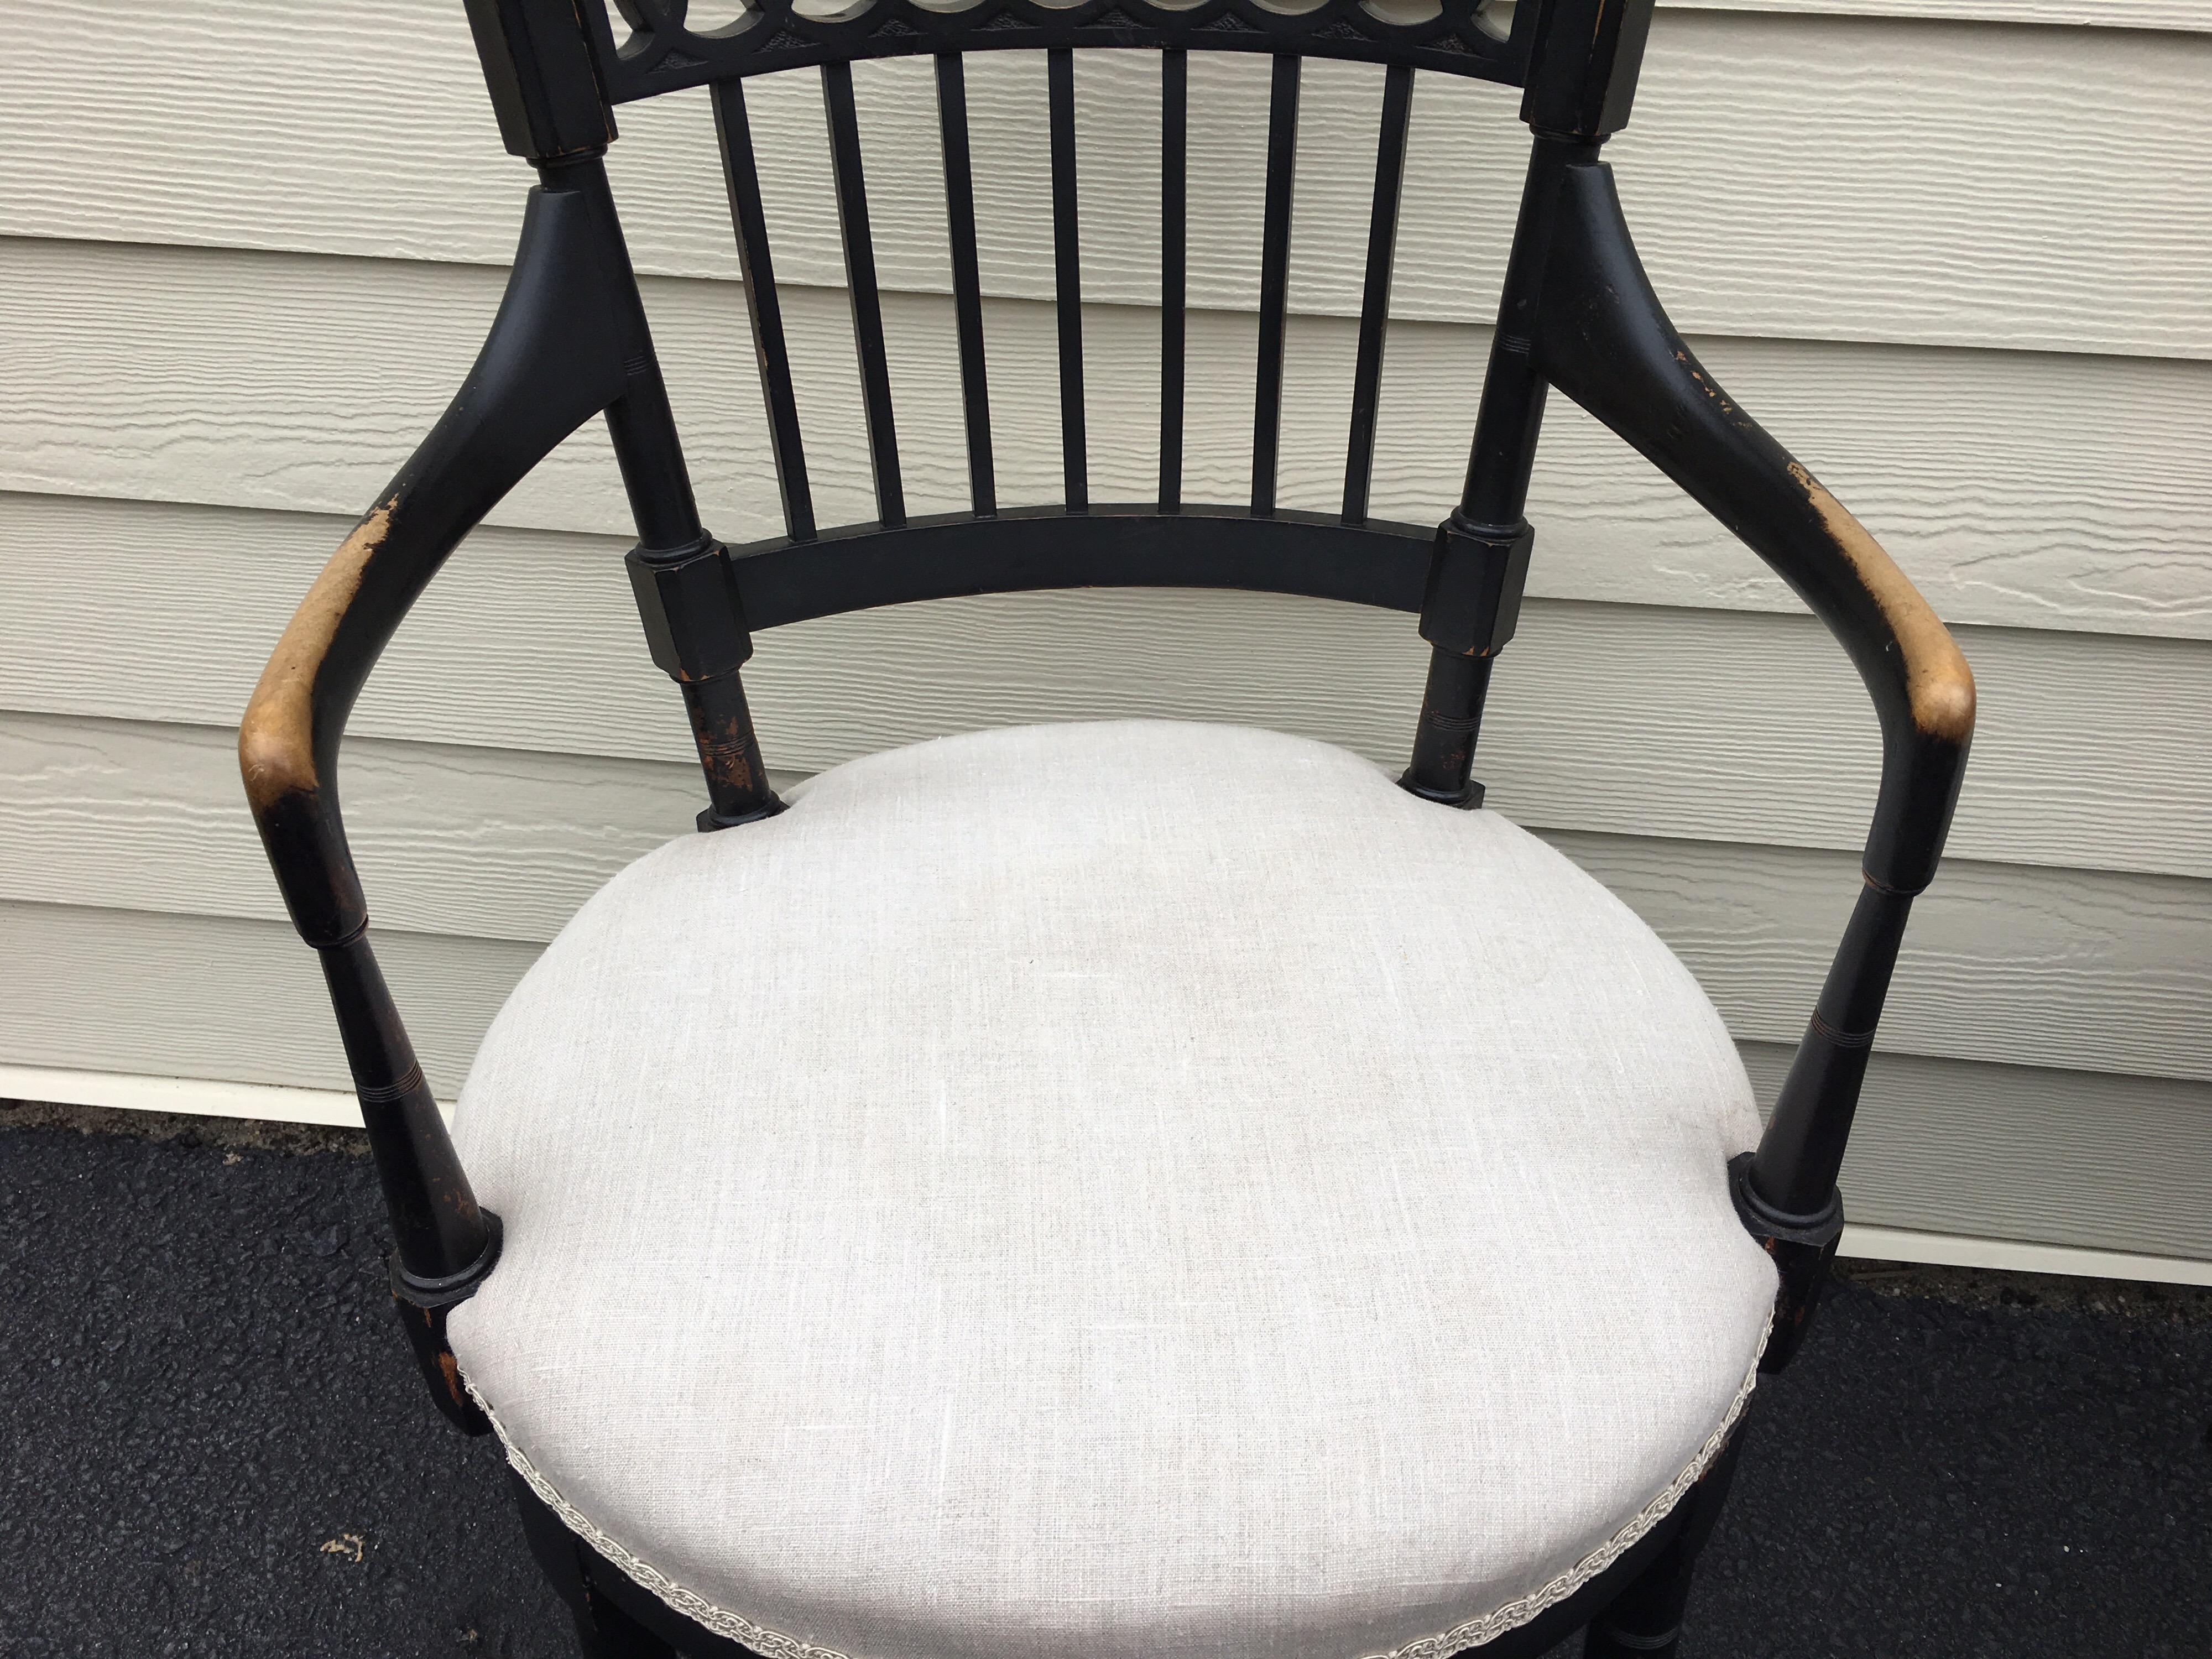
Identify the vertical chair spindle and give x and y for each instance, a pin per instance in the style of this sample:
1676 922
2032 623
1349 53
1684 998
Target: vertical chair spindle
1067 277
763 308
1274 278
1175 253
967 278
860 284
1374 297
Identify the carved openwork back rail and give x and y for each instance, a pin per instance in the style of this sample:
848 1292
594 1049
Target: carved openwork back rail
571 342
663 50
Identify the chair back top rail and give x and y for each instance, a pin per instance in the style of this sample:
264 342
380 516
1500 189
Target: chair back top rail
661 52
554 83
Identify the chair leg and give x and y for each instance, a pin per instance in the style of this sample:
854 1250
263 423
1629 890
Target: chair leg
1646 1620
604 1631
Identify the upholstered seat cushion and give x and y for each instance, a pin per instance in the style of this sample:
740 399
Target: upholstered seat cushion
1113 1190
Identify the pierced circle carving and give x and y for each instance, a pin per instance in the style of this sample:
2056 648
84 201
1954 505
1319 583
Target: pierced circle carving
648 47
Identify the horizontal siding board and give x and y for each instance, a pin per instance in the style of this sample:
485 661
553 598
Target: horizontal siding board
2015 1152
2094 751
106 990
2012 409
2088 969
1947 1145
2019 964
2018 488
1853 217
472 842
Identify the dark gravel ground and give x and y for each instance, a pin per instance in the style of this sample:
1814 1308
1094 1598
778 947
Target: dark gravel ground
216 1444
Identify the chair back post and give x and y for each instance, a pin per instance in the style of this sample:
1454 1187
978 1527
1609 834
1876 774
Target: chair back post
538 66
1582 83
545 91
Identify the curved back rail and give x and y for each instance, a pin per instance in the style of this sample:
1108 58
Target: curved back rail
662 52
571 342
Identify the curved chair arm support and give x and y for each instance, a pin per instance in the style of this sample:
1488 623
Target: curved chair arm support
550 362
1604 340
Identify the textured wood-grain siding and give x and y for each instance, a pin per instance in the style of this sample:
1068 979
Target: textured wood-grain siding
1848 177
2017 488
101 989
2015 1152
2114 1162
2089 969
2094 750
1965 269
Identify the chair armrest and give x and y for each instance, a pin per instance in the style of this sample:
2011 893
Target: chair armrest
1602 337
549 363
1604 340
285 767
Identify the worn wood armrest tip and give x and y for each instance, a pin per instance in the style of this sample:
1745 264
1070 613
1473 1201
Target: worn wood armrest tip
1938 684
277 738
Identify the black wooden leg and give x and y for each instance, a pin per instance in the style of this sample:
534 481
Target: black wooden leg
604 1631
1646 1620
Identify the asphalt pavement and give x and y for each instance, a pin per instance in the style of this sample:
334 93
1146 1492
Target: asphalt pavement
217 1445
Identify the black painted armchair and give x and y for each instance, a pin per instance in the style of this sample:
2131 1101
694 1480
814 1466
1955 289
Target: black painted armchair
1129 1188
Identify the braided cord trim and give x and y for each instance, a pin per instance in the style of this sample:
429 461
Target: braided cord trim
1471 1633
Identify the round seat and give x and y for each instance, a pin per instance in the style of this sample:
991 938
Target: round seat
1121 1191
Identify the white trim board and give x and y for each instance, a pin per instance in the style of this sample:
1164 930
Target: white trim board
198 1097
209 1097
2018 1256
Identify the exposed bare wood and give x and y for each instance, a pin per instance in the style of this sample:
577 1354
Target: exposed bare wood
276 740
1937 680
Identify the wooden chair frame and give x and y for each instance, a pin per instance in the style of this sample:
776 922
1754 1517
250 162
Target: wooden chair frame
570 342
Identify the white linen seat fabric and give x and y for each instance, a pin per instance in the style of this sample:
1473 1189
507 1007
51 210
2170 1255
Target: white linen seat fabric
1138 1188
